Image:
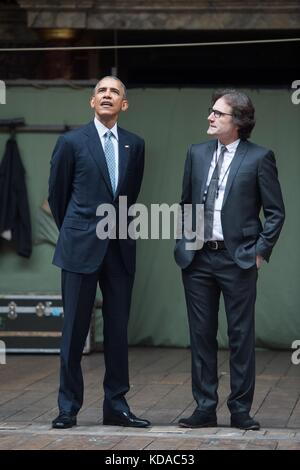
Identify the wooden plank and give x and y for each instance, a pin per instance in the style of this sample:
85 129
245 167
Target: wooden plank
160 391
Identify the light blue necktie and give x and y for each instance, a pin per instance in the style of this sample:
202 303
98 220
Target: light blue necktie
110 158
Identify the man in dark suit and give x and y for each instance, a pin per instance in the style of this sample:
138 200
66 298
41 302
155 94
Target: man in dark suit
234 179
94 165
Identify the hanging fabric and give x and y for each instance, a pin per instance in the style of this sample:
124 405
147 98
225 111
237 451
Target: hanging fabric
15 224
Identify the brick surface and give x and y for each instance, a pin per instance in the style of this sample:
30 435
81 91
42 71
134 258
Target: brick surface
160 391
262 444
133 443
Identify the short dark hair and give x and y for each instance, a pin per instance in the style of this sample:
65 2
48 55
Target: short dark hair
114 78
243 111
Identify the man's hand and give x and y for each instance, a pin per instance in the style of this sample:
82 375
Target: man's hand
259 261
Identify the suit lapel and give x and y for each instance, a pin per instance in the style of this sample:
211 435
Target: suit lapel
96 151
236 162
124 155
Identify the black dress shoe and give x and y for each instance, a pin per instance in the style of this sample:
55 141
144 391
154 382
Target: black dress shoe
199 419
64 421
244 421
125 418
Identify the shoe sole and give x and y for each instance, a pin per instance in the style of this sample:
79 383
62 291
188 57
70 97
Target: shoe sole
64 427
212 424
111 423
250 428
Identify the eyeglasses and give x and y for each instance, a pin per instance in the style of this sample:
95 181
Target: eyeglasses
217 113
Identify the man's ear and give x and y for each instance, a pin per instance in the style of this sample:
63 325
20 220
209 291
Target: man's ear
92 101
125 105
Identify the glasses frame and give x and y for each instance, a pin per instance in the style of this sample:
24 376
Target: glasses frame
217 114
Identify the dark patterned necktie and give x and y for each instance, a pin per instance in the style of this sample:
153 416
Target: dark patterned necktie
209 205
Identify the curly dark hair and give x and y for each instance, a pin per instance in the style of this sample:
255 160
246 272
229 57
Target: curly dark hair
243 112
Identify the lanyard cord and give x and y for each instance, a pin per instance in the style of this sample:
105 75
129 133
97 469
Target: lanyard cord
227 170
219 185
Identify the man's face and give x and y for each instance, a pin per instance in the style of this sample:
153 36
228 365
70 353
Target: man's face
222 126
108 99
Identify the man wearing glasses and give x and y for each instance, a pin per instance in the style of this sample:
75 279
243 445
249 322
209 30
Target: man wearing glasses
233 178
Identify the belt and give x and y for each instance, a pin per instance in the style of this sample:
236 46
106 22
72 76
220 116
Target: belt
215 245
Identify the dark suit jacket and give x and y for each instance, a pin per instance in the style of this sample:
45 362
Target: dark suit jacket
252 184
14 207
79 182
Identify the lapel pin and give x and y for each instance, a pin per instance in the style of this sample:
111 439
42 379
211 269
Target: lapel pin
127 146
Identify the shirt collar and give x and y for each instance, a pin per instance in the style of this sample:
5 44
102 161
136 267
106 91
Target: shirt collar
102 129
230 147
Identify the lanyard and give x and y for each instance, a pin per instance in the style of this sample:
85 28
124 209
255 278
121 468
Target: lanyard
219 184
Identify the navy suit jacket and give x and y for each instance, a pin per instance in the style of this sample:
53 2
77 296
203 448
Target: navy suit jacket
79 182
252 185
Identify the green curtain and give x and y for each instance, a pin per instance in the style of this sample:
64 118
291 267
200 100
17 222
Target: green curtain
169 120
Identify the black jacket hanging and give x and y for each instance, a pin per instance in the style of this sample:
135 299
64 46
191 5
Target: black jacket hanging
14 207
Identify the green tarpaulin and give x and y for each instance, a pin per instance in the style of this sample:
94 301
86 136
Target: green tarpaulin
169 120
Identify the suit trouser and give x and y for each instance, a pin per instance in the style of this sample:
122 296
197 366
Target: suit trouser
211 273
78 292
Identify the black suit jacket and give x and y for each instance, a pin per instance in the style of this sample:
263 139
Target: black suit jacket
252 185
14 207
79 182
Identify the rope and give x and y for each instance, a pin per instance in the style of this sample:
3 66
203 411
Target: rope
150 46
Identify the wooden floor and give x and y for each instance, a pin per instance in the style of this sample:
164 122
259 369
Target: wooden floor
160 391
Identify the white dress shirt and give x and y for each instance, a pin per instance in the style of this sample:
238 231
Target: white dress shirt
228 157
101 129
